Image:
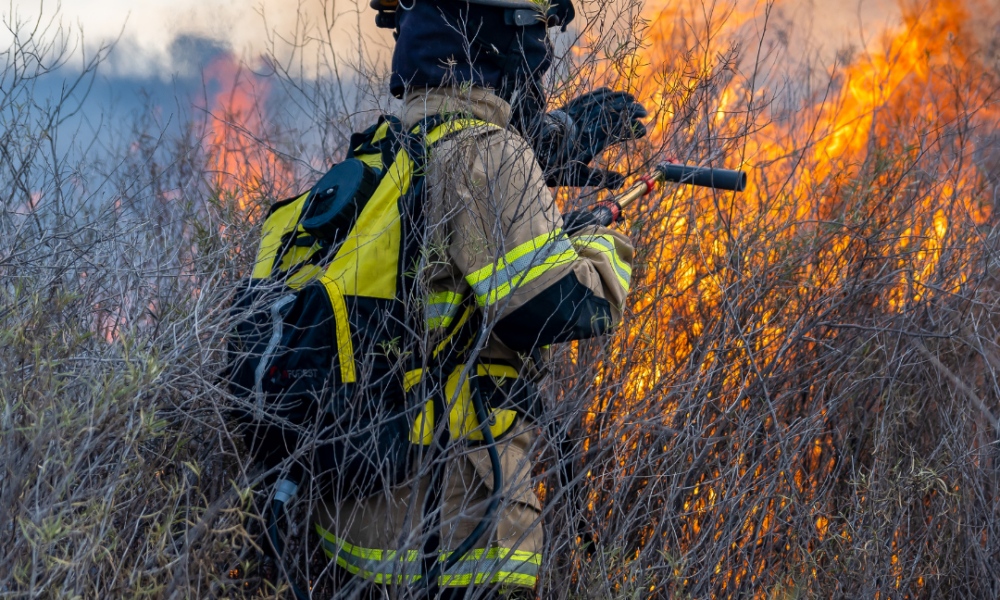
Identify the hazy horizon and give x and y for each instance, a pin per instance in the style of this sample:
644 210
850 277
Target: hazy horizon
167 39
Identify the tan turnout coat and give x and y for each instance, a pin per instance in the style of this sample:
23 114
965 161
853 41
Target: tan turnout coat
488 202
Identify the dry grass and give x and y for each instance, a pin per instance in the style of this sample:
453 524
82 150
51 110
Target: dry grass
803 401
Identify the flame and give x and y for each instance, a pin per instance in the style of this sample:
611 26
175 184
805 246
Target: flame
885 111
244 166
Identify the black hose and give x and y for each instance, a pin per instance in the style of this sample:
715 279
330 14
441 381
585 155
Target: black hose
432 574
272 530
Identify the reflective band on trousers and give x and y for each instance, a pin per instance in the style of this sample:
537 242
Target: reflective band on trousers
493 565
605 244
521 265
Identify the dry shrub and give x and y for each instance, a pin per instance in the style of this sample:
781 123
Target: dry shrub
119 477
802 402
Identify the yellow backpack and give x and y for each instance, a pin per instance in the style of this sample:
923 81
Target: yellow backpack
319 354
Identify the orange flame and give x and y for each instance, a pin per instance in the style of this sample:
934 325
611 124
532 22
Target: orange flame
915 87
244 166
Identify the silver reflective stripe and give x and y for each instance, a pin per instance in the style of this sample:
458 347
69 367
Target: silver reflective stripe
441 310
535 258
468 570
410 569
474 566
276 332
615 263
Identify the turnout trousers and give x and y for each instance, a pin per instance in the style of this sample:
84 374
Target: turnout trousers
380 538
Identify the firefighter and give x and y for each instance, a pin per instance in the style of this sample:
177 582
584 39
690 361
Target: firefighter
496 249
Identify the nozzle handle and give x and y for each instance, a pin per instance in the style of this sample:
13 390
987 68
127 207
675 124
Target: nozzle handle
720 179
606 213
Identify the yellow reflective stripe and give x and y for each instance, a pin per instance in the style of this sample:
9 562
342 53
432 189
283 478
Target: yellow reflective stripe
519 555
497 371
521 265
355 559
345 347
440 309
422 431
367 553
461 321
505 577
444 298
605 244
280 222
471 570
493 565
412 378
438 322
455 125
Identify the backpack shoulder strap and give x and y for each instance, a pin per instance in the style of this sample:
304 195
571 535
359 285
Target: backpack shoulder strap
377 144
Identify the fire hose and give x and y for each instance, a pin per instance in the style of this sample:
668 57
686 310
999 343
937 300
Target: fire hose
719 179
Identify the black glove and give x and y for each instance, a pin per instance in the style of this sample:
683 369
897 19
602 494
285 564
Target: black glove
569 138
602 118
577 174
603 214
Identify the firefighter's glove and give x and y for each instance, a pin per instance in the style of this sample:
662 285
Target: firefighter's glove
580 175
602 213
602 118
570 138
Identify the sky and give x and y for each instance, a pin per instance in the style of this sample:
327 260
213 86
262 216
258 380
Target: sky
168 38
173 38
164 48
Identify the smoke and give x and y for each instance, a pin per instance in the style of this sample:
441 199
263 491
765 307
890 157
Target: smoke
163 47
165 39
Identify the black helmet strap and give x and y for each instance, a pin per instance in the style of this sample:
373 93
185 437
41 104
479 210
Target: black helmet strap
560 13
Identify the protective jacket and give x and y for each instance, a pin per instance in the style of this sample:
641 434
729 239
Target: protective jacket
495 251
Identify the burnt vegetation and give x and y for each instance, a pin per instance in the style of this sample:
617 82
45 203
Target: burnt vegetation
803 400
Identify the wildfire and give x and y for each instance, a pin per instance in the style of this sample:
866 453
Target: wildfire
815 173
245 169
